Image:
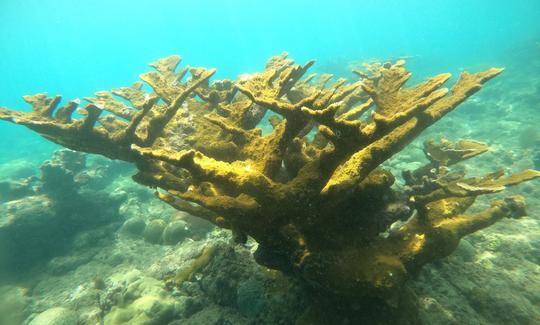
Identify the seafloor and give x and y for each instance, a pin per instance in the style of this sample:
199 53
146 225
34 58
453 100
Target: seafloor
108 254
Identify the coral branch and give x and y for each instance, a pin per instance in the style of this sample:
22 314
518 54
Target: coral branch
195 210
104 100
446 153
158 121
361 163
462 225
237 175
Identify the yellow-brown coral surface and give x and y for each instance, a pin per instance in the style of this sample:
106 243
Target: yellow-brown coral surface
311 191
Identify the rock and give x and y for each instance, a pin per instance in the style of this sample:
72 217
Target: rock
147 310
71 160
214 314
14 190
133 227
175 232
187 306
145 286
197 226
35 228
13 302
434 313
145 300
30 231
154 230
116 258
56 316
17 169
250 297
92 238
466 251
119 195
58 183
63 264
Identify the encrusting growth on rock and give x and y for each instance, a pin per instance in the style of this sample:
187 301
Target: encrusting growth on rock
312 191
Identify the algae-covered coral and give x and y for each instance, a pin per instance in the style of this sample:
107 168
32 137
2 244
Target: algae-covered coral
311 191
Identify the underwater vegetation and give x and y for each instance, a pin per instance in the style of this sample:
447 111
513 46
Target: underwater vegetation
312 191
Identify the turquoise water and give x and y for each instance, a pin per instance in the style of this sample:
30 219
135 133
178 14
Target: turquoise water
75 48
94 241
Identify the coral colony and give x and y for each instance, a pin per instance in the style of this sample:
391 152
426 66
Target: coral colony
312 191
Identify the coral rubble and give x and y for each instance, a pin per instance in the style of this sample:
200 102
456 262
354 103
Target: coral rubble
312 191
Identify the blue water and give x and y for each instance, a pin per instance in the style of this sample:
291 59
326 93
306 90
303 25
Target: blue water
75 48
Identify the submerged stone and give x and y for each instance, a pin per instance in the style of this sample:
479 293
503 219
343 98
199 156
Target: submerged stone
56 316
154 230
133 227
13 305
146 310
175 232
251 297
